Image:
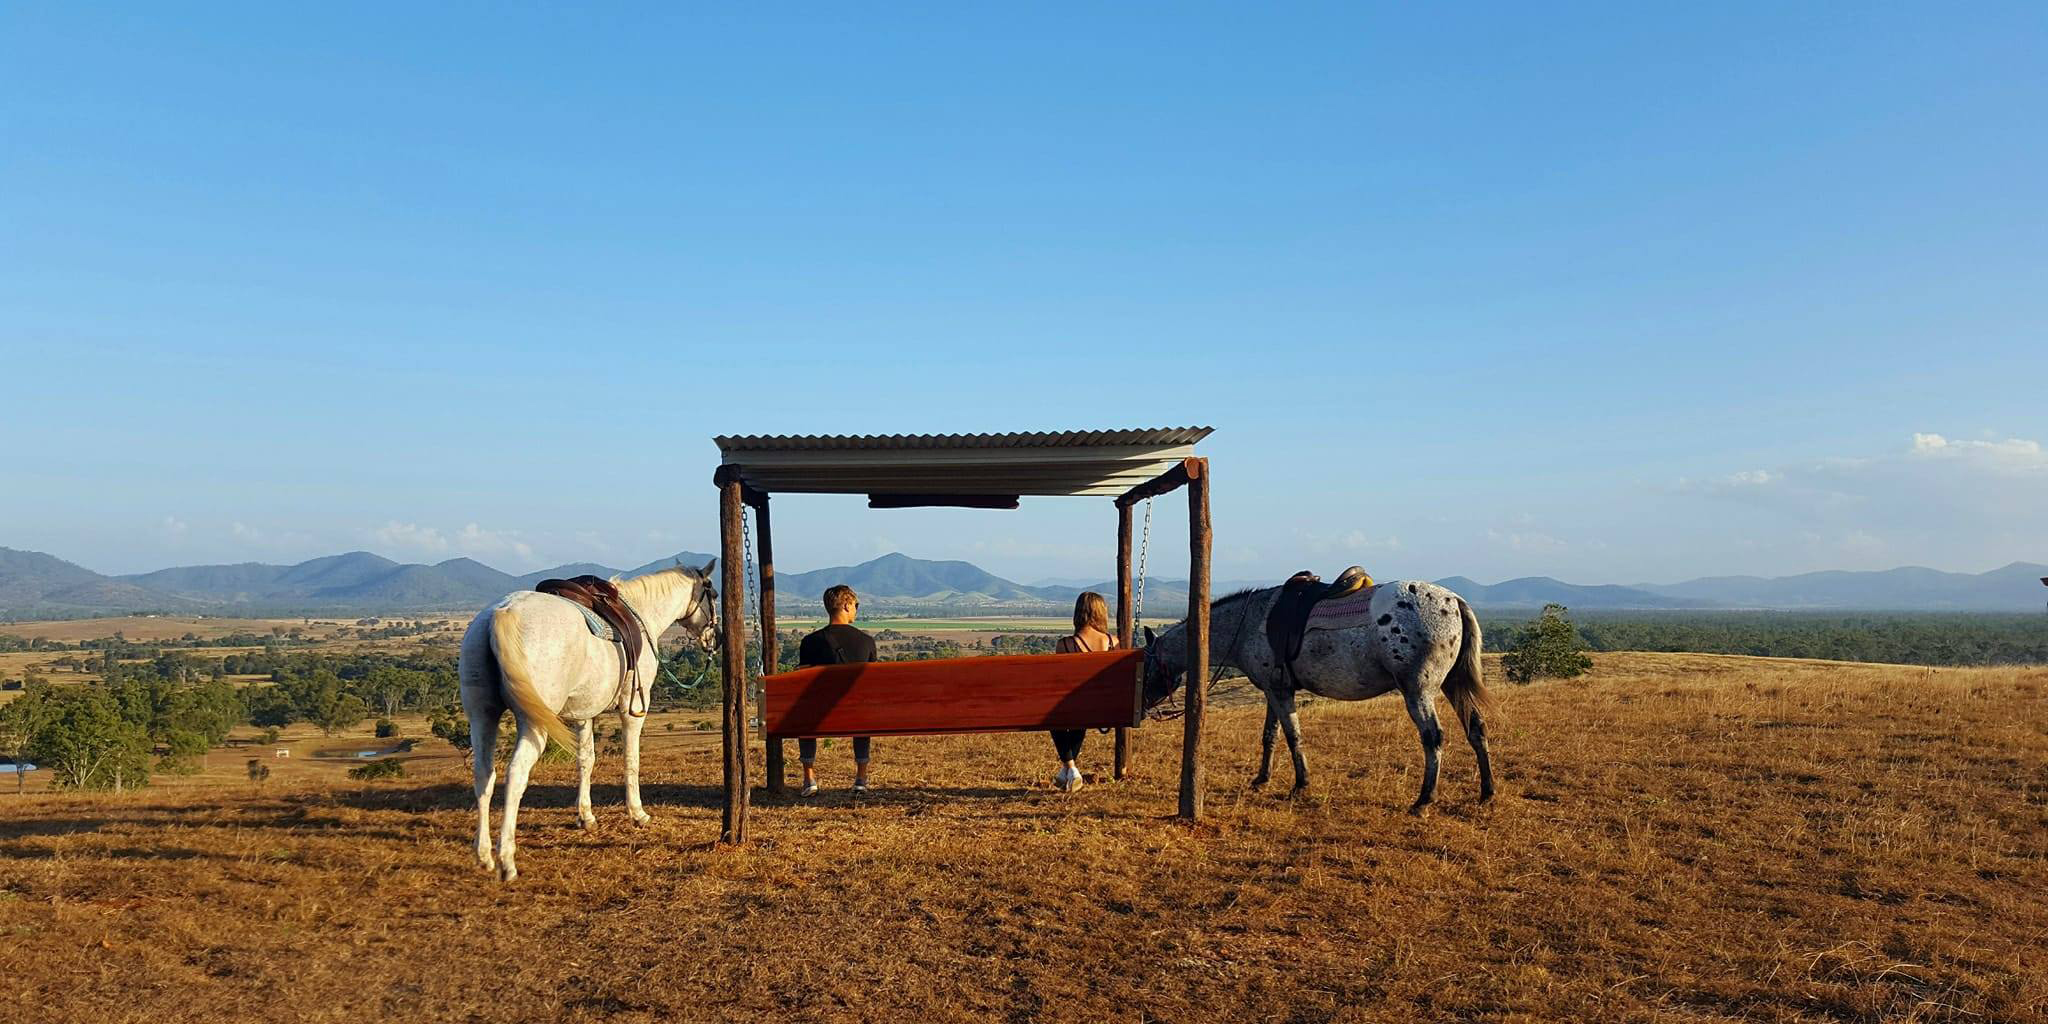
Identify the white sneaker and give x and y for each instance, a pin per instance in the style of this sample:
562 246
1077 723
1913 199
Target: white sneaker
1068 779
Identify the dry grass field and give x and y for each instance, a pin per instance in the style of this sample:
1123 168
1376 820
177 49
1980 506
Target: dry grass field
1677 838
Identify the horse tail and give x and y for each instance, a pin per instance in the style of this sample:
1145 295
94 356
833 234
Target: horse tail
1466 684
518 678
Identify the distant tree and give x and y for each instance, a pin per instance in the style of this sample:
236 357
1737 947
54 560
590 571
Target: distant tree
88 744
22 721
1550 646
388 768
344 713
450 723
270 706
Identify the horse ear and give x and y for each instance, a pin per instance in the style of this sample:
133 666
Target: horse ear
706 571
1149 638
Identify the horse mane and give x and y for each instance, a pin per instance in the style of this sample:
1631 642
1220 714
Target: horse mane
654 587
1236 595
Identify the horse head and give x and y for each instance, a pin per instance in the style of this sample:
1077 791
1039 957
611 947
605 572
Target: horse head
1164 665
700 621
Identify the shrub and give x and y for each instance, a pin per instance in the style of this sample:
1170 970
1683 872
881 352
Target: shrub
386 728
1550 646
389 768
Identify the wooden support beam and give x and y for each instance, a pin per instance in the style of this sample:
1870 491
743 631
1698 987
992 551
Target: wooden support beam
1165 483
1191 778
1124 623
733 656
997 501
770 640
752 496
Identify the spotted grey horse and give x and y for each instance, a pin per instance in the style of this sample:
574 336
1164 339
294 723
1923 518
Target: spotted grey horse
1416 638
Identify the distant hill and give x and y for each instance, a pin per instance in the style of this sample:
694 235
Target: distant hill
37 585
2015 587
1537 591
45 586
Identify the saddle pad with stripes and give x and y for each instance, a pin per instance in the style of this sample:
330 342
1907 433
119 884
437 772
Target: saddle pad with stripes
1348 612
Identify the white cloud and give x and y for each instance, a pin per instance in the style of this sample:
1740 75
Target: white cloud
409 537
1935 500
1526 540
2012 454
1740 480
1347 542
472 540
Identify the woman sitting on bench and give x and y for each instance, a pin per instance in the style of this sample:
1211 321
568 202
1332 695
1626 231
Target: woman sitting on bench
1091 633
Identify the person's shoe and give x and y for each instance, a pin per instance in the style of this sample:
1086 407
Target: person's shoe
1068 779
810 789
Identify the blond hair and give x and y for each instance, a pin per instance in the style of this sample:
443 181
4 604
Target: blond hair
1091 610
840 598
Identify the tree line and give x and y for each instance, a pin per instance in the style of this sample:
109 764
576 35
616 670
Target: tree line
1943 639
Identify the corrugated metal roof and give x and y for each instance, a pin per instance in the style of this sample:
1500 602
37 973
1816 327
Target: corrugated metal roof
1152 436
1099 462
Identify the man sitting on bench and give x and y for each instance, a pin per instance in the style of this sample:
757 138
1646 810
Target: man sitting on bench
839 643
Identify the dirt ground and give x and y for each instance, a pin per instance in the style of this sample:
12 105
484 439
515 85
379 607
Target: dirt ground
1677 838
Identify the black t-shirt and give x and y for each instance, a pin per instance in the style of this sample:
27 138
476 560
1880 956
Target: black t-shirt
837 644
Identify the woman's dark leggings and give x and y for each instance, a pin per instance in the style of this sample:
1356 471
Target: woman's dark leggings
807 750
1068 742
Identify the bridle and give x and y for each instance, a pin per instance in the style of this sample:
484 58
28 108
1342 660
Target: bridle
1167 709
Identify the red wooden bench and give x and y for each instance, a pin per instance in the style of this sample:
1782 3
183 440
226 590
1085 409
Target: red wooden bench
1003 693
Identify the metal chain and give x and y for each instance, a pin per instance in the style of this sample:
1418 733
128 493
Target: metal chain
749 620
1138 604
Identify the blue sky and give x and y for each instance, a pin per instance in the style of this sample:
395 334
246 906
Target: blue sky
1608 292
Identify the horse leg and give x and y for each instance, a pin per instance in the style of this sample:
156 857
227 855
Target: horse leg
586 759
1422 708
483 750
1267 736
1475 733
1290 723
630 727
524 753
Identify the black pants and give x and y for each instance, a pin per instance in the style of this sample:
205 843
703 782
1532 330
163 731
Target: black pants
1068 742
807 750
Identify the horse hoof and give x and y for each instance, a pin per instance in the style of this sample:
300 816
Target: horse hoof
487 862
642 819
588 824
1258 783
507 873
1486 797
1417 809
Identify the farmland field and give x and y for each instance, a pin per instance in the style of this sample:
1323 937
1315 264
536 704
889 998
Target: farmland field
1678 837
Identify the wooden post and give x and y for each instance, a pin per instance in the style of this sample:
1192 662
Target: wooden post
1198 639
731 609
770 641
1124 622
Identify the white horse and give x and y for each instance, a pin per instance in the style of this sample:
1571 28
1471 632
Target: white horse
534 653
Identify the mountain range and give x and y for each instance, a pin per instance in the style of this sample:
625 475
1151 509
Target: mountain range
37 585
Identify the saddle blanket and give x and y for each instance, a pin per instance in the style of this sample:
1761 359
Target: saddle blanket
599 628
1348 612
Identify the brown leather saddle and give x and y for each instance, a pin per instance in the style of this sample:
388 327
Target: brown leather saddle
599 595
1287 622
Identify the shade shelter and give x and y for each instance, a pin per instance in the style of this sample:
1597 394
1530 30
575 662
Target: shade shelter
985 471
